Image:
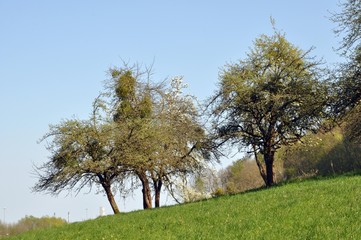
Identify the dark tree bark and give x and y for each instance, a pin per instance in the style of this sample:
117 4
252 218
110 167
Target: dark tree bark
157 183
146 191
266 169
260 166
269 159
110 196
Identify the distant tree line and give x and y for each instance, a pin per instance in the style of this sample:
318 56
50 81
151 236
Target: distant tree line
29 223
290 115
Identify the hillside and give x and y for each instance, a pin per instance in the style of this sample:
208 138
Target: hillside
313 209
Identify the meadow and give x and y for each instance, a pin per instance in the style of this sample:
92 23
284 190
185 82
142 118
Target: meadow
310 209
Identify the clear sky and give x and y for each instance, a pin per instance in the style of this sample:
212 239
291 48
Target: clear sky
54 56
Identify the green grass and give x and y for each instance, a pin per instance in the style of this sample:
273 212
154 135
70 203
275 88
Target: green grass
312 209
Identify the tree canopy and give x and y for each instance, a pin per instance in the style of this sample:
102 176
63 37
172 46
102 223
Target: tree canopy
162 124
137 129
151 132
347 84
349 25
268 100
82 154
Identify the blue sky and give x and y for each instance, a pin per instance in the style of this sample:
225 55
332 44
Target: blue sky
54 56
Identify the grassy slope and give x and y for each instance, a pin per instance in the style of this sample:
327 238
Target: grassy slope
323 209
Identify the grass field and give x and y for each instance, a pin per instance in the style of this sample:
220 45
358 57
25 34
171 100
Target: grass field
312 209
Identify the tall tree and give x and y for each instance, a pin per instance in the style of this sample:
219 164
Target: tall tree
268 100
82 155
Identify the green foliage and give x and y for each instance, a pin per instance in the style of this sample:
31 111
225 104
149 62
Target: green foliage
29 223
343 158
132 99
125 85
346 92
292 211
240 176
321 154
82 154
80 151
349 22
137 129
270 99
146 106
352 124
234 177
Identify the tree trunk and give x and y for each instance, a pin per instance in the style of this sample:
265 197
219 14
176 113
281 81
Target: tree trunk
110 196
269 159
259 165
157 188
147 198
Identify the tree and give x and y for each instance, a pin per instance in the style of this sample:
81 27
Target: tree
163 135
268 100
347 87
132 105
82 155
349 25
181 138
137 129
